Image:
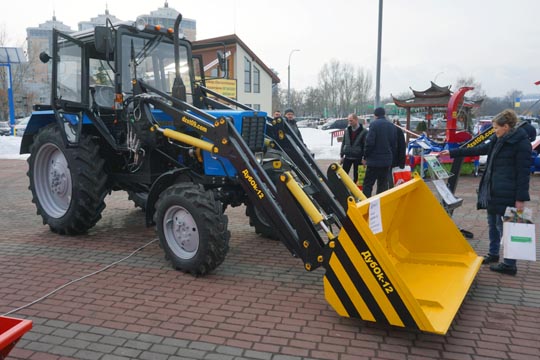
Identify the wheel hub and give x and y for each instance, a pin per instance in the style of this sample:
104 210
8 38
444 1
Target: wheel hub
52 180
58 179
184 232
181 232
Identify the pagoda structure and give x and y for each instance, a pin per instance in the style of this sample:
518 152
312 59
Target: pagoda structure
435 99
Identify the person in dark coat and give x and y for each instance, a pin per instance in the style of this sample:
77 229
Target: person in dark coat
289 116
525 124
398 158
381 145
505 182
352 147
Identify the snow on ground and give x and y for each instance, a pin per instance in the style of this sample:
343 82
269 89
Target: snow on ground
9 147
318 141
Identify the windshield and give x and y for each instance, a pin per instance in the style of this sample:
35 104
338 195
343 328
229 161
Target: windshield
153 62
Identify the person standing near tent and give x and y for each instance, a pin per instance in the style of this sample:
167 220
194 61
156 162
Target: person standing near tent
352 147
505 182
381 145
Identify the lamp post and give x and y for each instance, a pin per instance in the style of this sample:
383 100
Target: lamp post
379 45
289 78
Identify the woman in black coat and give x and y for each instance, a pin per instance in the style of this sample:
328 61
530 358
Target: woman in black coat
505 182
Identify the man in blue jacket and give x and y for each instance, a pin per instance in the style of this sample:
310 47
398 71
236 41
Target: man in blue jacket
380 147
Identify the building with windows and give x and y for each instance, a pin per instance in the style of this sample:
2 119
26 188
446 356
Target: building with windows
37 77
99 20
166 16
246 79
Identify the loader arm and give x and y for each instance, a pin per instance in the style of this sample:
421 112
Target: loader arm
276 201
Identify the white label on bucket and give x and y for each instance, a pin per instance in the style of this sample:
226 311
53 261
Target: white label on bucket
375 220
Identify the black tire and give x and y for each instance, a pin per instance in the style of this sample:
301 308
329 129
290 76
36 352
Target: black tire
260 223
68 184
138 198
257 219
192 229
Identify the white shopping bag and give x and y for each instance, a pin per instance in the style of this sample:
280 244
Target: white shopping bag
519 241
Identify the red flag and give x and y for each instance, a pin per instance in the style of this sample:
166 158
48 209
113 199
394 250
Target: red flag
537 82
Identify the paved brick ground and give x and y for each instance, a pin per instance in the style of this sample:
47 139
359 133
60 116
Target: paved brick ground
259 304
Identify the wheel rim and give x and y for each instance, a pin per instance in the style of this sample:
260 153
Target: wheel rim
52 180
181 232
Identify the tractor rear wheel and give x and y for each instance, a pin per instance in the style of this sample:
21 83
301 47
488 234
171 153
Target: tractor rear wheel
192 228
68 184
259 221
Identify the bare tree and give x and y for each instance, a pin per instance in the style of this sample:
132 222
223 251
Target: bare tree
344 87
363 88
314 101
329 83
477 93
510 98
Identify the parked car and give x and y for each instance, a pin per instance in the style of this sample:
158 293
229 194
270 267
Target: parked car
537 127
335 124
20 126
481 125
307 122
5 129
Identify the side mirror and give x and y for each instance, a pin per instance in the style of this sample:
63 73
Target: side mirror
104 40
222 61
44 57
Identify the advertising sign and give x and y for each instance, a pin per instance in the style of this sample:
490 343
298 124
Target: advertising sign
226 87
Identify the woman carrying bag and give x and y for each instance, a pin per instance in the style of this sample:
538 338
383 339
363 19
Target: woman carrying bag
505 182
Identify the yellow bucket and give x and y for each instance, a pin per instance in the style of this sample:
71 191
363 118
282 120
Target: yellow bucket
414 273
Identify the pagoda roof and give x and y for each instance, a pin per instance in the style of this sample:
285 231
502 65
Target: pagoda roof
434 96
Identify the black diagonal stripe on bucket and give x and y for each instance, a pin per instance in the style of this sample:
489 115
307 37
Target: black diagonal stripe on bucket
360 285
342 294
393 297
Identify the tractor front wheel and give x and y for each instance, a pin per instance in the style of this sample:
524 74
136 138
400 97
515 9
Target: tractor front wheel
192 228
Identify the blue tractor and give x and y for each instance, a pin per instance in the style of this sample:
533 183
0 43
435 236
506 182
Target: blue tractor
130 111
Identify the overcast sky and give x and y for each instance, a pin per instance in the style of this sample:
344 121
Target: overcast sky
494 41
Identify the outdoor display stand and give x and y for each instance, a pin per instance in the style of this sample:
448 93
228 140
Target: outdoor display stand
440 175
11 331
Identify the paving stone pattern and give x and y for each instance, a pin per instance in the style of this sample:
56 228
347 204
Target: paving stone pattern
259 304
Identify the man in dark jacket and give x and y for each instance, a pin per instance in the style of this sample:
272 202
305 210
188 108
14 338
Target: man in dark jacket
352 147
398 158
381 145
289 115
525 124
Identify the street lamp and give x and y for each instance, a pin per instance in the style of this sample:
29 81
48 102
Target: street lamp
379 48
289 78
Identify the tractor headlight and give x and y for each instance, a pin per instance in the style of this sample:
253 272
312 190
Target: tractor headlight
140 24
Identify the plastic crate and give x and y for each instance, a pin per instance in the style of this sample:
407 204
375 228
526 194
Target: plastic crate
11 331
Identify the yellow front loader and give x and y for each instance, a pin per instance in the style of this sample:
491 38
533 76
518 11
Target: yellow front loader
396 258
413 271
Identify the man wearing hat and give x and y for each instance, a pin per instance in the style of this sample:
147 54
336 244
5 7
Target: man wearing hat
289 115
381 144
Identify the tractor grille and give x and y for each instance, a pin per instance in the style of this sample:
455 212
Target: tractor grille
253 132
